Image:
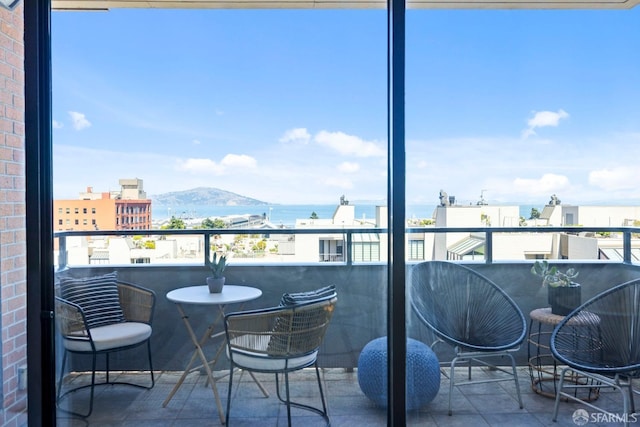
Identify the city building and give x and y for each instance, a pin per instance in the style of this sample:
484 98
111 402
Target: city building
365 247
127 209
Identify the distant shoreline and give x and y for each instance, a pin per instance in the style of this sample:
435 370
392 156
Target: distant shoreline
286 215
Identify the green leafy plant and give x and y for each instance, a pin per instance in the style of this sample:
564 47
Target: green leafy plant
217 264
552 276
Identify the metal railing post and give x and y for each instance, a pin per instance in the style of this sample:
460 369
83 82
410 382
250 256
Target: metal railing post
626 247
488 256
62 252
207 248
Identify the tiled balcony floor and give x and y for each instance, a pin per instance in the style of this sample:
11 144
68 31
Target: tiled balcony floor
475 405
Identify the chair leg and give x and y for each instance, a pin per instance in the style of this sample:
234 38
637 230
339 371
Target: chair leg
107 367
452 380
93 383
287 399
94 357
64 361
515 379
324 405
286 382
558 393
229 394
278 390
632 409
153 381
60 395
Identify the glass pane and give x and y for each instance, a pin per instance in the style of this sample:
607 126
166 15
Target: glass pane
259 136
518 119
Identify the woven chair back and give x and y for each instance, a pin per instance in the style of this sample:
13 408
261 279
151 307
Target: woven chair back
464 308
603 334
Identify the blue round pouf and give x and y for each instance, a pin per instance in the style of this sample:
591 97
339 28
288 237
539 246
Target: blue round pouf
423 373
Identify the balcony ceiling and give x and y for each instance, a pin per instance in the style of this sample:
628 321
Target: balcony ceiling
340 4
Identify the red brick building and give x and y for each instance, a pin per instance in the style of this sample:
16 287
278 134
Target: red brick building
127 209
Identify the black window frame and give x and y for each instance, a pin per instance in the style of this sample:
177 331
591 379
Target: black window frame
39 212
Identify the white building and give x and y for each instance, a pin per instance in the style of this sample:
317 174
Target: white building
328 247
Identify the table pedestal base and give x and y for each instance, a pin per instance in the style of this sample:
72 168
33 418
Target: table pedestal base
543 367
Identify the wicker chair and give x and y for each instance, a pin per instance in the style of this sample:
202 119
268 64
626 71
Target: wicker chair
133 330
600 342
470 313
279 340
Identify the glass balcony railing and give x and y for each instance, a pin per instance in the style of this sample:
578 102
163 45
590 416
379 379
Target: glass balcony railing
346 245
361 314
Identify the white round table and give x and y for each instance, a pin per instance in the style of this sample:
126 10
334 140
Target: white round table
200 295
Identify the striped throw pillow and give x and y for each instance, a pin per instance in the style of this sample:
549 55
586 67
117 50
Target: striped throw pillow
280 342
97 296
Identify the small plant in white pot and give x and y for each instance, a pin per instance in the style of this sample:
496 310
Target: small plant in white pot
564 293
217 265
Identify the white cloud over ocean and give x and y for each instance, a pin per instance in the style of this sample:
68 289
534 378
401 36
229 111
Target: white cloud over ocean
615 179
350 145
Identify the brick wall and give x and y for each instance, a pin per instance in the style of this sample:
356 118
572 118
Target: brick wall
12 216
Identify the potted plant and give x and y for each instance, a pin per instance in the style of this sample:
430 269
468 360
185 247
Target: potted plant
217 265
564 294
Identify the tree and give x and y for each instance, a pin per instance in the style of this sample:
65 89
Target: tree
535 213
207 223
215 223
175 224
314 215
261 245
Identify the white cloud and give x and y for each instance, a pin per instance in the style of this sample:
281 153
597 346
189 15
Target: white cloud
196 142
296 136
543 119
620 178
348 167
199 166
547 184
229 163
56 124
238 161
79 121
349 144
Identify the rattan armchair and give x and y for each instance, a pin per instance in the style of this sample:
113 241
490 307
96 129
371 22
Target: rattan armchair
470 313
80 337
279 340
599 342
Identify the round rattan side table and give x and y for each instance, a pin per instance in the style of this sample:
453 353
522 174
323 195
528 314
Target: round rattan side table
543 367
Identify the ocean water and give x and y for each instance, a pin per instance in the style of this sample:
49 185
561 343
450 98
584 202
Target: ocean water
288 214
279 214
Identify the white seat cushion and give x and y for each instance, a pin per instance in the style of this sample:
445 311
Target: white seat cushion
111 336
261 361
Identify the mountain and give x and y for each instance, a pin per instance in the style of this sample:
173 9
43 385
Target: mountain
204 196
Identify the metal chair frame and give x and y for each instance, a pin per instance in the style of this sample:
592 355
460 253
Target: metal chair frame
600 340
470 313
138 305
298 331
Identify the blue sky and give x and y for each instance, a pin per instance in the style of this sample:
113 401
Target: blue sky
289 106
